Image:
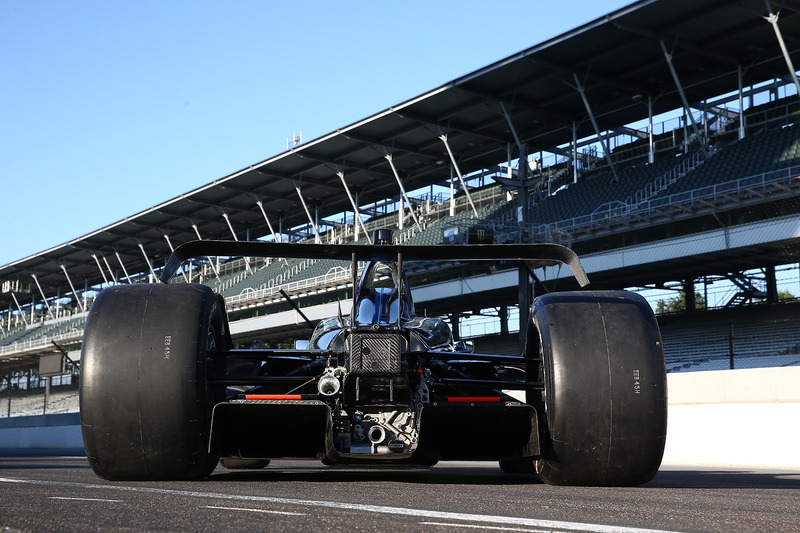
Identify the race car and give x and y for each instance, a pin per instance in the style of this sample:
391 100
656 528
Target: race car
164 396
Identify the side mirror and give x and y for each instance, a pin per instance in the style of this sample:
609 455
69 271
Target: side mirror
465 347
301 344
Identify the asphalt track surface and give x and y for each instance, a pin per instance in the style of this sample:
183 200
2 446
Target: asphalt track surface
63 494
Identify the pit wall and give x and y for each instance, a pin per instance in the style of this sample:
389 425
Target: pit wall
747 418
59 432
744 418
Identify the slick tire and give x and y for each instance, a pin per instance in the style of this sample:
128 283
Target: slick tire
604 399
145 406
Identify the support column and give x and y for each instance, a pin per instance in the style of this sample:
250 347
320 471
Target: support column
235 238
21 312
458 173
358 220
574 153
308 214
772 18
266 218
651 154
688 292
147 260
100 268
522 192
71 286
172 249
678 85
454 319
47 382
452 192
210 262
405 196
603 141
524 299
772 284
49 311
110 272
503 314
741 105
124 270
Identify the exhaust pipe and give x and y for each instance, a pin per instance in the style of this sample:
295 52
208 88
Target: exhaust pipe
328 384
376 434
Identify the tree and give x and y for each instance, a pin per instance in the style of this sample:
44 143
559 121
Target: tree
677 304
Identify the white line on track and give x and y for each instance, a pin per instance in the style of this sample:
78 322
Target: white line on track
486 528
252 510
361 507
83 499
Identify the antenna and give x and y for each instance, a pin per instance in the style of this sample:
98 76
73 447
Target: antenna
294 140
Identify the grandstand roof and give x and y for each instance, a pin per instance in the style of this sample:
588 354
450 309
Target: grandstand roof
618 59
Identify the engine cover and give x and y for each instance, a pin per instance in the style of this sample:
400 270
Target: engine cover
374 353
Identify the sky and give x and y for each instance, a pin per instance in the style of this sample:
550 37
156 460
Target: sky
109 108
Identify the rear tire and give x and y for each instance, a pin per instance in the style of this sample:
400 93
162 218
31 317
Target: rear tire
145 407
604 399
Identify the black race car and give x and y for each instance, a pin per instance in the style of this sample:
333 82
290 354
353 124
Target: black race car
163 395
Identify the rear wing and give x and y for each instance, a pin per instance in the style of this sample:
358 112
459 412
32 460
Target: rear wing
536 253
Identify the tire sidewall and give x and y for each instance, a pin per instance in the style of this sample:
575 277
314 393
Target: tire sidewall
604 393
145 406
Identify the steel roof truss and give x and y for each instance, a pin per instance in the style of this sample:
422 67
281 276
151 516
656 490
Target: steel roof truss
772 18
405 196
308 214
260 205
235 238
210 261
100 268
124 270
580 88
171 249
356 213
147 260
443 137
668 56
71 286
44 298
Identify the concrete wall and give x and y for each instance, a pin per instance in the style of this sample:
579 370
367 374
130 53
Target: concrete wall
49 432
748 417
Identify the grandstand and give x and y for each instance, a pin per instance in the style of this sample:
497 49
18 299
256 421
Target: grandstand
658 181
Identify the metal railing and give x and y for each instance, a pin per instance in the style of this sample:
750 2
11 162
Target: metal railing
679 201
40 342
